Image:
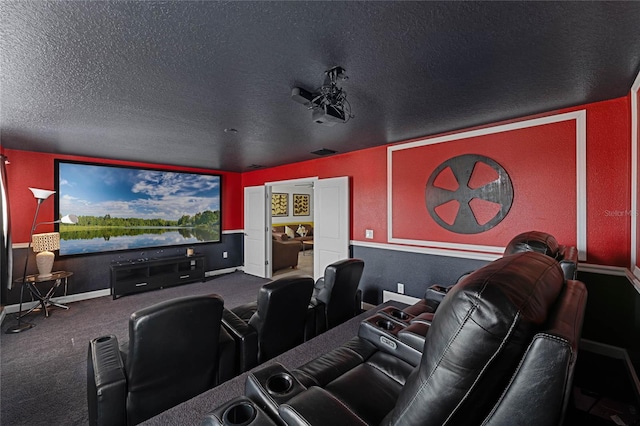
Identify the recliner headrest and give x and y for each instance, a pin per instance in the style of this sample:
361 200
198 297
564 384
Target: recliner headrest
477 337
537 241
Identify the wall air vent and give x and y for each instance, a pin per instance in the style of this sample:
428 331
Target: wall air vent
255 166
324 151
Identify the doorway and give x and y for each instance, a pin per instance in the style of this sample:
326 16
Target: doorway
331 228
292 207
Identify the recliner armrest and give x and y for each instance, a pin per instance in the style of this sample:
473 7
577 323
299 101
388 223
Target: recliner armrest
548 363
568 258
227 368
106 382
246 338
316 406
435 293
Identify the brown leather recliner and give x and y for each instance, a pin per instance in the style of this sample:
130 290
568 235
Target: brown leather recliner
176 350
544 243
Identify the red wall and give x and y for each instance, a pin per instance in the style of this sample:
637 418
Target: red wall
608 183
32 169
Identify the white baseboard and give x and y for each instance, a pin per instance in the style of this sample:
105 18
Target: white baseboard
10 309
62 299
367 306
403 298
208 274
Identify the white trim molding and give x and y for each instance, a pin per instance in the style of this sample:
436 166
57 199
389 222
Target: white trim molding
430 251
580 118
233 231
635 88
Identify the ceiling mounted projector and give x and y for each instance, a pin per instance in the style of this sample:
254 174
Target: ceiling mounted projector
329 103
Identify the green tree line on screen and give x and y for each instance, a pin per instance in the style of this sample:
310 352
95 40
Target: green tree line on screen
106 233
204 219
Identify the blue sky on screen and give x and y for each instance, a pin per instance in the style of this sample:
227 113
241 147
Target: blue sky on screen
94 190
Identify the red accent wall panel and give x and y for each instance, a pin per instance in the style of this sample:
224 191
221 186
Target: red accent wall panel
608 182
32 169
541 194
539 161
366 170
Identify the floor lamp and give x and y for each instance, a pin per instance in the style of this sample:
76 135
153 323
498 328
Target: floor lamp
40 195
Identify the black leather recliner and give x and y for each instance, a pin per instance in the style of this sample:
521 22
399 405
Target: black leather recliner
176 350
501 351
273 324
335 296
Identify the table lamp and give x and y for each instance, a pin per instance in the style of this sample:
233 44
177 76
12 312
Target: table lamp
44 245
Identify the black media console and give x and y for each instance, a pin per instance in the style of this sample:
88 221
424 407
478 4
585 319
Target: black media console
134 276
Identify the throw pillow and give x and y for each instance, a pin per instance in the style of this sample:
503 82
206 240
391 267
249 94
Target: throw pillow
289 232
302 231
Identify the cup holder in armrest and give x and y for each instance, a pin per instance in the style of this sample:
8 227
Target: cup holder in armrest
279 384
397 314
386 324
240 411
270 386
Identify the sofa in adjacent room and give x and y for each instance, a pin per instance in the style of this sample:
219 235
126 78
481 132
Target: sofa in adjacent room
297 232
284 252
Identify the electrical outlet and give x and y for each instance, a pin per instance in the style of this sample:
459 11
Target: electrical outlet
400 288
225 254
368 233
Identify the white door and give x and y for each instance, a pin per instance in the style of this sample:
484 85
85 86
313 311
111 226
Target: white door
331 223
255 231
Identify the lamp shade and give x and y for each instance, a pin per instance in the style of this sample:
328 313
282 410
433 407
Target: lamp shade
44 244
42 194
70 219
49 241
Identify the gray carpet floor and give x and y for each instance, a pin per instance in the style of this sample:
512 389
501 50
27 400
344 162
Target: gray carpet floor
43 370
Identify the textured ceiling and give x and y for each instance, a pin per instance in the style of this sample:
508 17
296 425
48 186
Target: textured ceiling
160 81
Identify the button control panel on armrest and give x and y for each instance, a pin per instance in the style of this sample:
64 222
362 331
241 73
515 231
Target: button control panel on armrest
382 331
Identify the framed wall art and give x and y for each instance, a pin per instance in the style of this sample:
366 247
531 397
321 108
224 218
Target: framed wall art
301 205
279 204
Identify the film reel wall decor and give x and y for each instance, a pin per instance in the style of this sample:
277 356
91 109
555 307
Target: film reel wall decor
469 194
